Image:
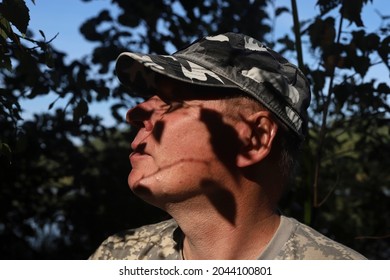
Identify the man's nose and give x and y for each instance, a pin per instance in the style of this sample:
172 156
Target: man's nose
141 115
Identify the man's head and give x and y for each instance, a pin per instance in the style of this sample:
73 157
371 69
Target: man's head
218 108
227 60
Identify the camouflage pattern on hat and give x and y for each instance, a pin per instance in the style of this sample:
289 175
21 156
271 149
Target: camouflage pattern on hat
227 60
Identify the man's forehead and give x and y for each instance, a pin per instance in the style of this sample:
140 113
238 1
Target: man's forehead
168 88
177 90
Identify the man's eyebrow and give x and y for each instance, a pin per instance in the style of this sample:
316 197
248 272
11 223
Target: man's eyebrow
166 99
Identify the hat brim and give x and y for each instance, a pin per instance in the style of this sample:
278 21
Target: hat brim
139 72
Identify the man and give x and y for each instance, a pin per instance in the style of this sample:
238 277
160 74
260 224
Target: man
217 139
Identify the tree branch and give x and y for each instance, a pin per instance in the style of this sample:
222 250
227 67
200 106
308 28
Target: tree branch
297 32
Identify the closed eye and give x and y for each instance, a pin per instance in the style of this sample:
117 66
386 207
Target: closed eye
173 106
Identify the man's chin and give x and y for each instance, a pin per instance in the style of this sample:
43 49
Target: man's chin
138 187
135 180
148 196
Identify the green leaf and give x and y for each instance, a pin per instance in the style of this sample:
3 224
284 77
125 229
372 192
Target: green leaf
5 150
5 28
17 13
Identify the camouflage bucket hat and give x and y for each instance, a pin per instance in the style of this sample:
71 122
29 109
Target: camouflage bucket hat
228 60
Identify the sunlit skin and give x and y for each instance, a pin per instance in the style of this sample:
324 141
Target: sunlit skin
181 154
194 161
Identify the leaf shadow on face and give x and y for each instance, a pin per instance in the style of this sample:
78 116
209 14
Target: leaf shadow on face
158 130
136 115
224 138
226 144
221 198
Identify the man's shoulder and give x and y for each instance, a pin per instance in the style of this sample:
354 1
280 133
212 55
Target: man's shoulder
307 243
154 241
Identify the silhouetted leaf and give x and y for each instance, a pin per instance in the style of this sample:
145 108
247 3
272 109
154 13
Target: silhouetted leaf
281 10
361 65
384 51
322 32
352 10
6 63
373 41
80 110
383 88
42 34
328 5
17 13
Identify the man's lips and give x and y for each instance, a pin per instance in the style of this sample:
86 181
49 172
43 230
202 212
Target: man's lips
138 152
136 156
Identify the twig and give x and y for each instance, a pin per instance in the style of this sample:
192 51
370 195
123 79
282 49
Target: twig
373 237
330 192
323 128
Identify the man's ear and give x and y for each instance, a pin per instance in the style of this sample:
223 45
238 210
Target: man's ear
257 135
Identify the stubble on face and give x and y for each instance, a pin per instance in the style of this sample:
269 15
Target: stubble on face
195 145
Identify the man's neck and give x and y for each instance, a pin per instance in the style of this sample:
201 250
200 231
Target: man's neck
208 234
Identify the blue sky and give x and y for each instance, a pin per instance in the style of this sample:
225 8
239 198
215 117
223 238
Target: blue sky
65 17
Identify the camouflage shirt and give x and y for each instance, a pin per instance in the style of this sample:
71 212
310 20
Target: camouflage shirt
292 240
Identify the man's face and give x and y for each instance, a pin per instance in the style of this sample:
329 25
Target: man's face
183 146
